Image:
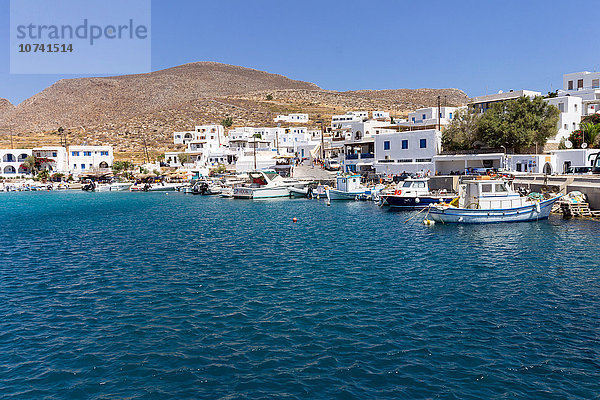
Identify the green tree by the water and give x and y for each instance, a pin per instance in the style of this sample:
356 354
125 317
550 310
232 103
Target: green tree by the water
516 124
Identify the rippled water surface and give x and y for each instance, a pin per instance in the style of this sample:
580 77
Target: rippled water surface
148 295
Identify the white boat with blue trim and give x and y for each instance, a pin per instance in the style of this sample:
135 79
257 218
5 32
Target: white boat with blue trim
348 187
490 201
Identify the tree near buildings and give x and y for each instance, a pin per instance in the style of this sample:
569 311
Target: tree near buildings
461 134
227 122
183 158
518 123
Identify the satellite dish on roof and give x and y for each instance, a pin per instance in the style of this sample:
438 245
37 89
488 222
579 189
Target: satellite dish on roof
568 144
584 145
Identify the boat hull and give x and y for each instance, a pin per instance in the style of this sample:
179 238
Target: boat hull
297 192
260 193
335 194
113 187
413 202
533 212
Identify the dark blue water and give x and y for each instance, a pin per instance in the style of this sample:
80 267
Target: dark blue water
147 295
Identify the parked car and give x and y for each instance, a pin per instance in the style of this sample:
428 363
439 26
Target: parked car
579 170
332 165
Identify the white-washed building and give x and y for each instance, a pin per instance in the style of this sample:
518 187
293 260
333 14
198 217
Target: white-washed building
531 163
585 85
570 108
292 118
354 143
427 118
350 116
564 159
457 163
11 161
483 103
88 158
380 115
56 158
406 151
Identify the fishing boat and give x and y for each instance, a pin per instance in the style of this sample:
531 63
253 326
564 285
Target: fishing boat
348 187
413 193
489 201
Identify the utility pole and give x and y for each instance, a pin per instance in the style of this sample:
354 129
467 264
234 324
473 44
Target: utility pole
439 112
255 153
322 139
277 138
11 133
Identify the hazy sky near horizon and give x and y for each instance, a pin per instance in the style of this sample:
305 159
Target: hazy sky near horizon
477 46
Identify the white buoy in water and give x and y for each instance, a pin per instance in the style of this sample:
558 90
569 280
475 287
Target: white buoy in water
428 222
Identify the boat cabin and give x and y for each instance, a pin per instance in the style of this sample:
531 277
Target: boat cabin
348 183
489 194
413 187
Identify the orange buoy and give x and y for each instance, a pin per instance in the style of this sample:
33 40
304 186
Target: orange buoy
295 219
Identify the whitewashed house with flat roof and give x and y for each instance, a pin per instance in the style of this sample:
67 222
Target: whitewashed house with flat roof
380 115
570 108
292 118
585 85
482 103
354 143
56 156
350 116
427 117
89 158
11 161
406 151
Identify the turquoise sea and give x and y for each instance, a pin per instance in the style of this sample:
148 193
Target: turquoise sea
154 295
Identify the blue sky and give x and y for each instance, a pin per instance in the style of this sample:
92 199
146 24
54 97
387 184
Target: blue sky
477 46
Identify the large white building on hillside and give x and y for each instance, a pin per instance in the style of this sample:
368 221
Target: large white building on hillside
483 103
292 118
427 118
585 85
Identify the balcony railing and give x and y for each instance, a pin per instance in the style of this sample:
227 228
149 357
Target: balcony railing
367 155
351 156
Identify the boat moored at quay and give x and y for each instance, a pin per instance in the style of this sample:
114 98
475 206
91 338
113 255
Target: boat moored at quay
265 184
413 193
491 201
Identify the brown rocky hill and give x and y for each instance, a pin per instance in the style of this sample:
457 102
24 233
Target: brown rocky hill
5 107
127 110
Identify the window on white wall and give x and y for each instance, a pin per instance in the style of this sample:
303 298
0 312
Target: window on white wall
595 83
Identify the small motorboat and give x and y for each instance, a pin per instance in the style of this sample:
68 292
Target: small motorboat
413 193
264 184
348 187
206 188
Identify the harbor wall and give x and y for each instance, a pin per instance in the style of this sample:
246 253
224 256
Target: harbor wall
587 184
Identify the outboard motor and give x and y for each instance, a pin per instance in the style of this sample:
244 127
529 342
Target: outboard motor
204 188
